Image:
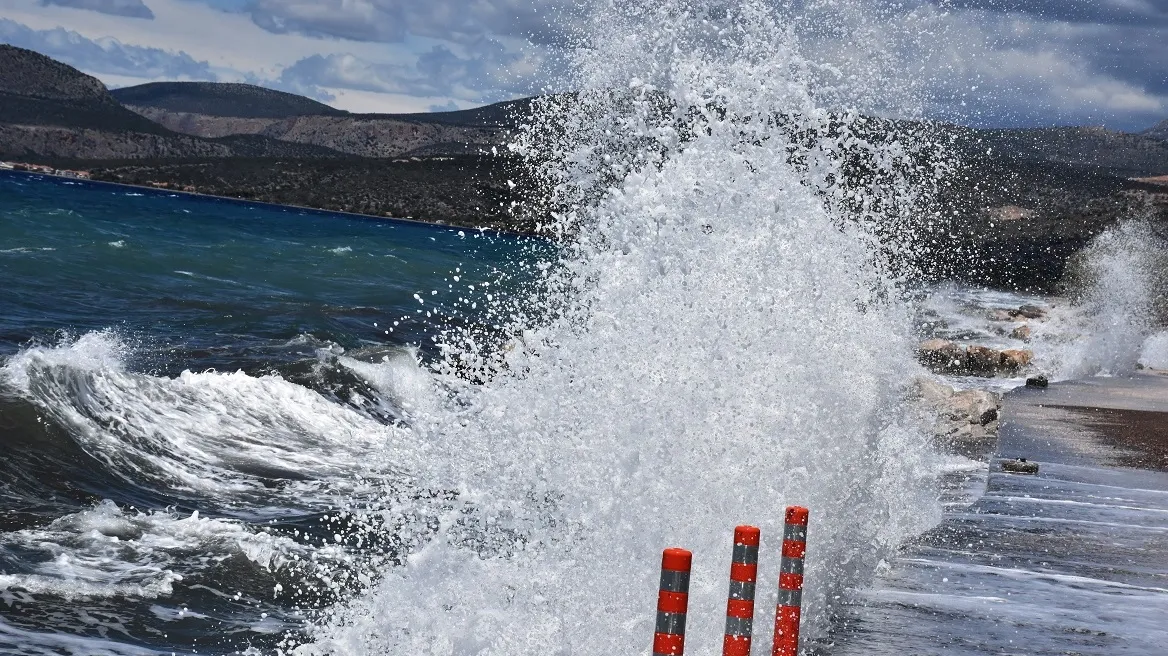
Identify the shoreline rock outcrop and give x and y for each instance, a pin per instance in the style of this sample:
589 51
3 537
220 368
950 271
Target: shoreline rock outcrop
945 357
962 419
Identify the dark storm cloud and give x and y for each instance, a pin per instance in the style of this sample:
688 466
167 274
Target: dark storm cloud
1138 56
1145 13
128 8
393 20
357 20
107 56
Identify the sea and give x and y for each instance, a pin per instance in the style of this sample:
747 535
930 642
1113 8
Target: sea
232 428
186 400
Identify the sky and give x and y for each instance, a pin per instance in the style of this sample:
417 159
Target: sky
996 63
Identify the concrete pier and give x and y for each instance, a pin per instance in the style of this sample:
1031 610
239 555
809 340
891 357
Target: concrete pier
1071 560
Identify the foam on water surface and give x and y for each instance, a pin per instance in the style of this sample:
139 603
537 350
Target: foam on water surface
212 435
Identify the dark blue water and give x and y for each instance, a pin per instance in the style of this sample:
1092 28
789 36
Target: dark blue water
219 278
190 390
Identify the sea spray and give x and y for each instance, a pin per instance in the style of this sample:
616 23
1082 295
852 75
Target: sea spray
720 337
1117 287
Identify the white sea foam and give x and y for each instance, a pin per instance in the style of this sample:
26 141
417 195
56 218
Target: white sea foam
218 435
402 382
1154 353
107 551
1105 326
26 249
38 643
1120 282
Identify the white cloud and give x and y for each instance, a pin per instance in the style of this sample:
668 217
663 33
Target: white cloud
359 20
106 55
488 73
1017 69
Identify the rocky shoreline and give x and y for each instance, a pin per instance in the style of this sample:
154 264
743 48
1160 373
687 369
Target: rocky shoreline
471 191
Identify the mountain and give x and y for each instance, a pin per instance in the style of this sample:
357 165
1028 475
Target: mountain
1158 131
363 135
221 99
37 90
53 111
212 110
506 114
1118 153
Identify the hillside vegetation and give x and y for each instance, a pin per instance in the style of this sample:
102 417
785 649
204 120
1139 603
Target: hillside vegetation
213 110
49 110
221 99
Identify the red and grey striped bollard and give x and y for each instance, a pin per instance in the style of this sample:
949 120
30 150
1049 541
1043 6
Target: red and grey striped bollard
740 604
791 582
672 603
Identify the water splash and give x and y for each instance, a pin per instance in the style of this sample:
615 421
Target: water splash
721 337
1117 285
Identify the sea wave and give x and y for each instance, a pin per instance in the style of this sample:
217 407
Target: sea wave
228 437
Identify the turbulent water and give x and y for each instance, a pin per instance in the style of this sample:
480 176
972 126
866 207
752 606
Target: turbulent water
234 428
188 389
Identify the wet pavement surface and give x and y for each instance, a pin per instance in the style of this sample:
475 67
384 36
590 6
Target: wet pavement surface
1071 560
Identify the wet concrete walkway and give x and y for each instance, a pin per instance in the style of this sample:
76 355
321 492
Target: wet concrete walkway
1072 560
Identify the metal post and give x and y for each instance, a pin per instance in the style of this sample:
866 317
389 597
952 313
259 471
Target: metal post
788 610
740 604
672 603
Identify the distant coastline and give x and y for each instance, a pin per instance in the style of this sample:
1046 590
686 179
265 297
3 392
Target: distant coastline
165 191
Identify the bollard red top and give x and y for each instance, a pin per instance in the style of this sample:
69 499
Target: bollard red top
797 515
747 535
677 560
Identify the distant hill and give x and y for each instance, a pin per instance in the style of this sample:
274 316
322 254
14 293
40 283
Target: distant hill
1020 203
33 75
51 110
1119 153
212 110
221 99
1158 131
38 90
506 114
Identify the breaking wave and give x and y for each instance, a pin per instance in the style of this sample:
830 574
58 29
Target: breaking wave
722 337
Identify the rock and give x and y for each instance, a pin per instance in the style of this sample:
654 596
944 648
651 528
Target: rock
1020 466
975 406
1013 360
1028 312
965 419
942 356
982 360
1037 381
1021 332
1001 315
945 357
932 392
1010 213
